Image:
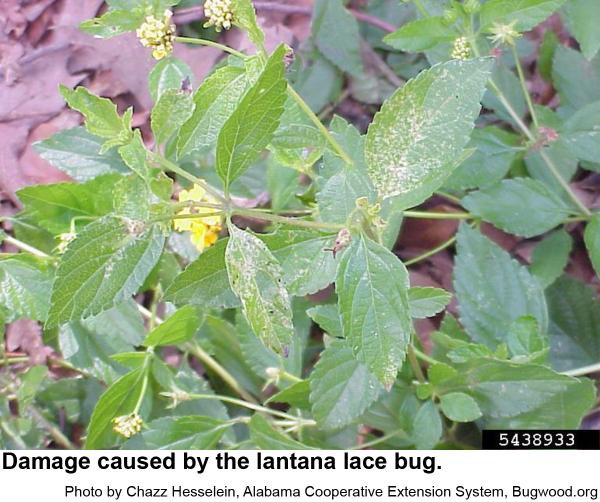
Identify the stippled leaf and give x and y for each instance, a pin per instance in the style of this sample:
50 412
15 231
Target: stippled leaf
417 139
104 266
256 278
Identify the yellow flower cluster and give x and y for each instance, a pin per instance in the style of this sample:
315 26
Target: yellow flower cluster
219 14
205 229
461 49
158 34
128 425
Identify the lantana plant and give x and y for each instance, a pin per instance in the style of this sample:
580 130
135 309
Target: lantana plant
192 312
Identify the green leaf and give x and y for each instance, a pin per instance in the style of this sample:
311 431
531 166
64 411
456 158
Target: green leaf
550 257
520 206
341 47
495 151
53 207
417 139
101 117
25 285
173 109
178 328
118 400
135 156
574 324
421 34
581 131
522 395
296 395
180 433
169 73
524 338
526 14
426 427
427 302
260 358
204 282
76 152
372 288
215 101
344 184
92 344
580 16
113 23
223 339
460 407
592 241
265 437
245 18
256 278
493 290
341 388
104 266
328 319
30 383
576 79
308 267
251 126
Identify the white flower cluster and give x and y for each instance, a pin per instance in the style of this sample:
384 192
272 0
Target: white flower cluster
158 34
219 14
461 49
128 425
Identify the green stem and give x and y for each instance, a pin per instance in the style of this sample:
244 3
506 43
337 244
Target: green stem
424 357
421 8
379 440
531 137
206 359
250 406
275 218
6 361
319 125
210 43
438 216
56 434
147 361
171 166
448 196
585 370
25 247
556 173
284 375
414 363
524 86
431 252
